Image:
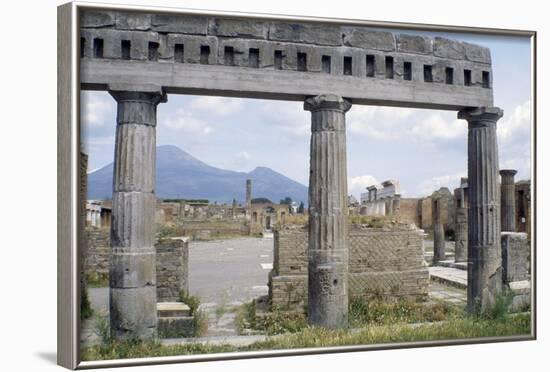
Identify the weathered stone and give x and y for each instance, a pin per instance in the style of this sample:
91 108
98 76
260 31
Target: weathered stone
439 232
176 327
516 257
172 262
133 21
133 312
508 200
195 25
484 249
461 235
305 33
93 19
447 48
328 250
388 263
414 44
132 272
238 28
368 39
477 53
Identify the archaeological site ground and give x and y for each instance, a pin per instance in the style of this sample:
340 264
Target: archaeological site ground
306 239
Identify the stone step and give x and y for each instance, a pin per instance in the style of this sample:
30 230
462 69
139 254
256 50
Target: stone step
453 264
172 309
450 276
176 326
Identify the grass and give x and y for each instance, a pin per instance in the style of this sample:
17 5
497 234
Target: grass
86 310
97 279
272 323
468 327
200 319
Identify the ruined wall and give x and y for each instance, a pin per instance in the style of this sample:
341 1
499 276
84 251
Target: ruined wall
172 268
516 256
409 211
96 258
382 262
198 230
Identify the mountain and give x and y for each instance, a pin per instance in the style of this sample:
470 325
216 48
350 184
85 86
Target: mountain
180 175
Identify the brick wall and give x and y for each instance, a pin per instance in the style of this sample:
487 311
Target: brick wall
409 211
383 262
96 258
172 268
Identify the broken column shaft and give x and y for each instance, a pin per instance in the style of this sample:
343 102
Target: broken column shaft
328 210
132 274
508 200
439 232
484 251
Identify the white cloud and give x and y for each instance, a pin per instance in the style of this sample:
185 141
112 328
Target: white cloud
515 126
241 160
357 185
184 122
97 109
217 106
289 117
451 181
436 126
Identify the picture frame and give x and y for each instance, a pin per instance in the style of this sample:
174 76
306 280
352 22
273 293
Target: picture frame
70 199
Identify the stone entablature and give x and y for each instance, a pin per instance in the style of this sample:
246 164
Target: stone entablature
453 74
381 200
382 262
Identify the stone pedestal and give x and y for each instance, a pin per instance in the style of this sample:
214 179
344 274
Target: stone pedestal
132 273
484 251
508 200
439 231
396 205
328 210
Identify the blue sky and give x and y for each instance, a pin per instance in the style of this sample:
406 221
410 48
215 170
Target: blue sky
422 149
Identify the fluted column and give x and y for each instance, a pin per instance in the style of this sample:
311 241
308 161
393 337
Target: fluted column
508 200
484 251
439 232
328 210
132 274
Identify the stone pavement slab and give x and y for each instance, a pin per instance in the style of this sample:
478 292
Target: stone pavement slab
449 275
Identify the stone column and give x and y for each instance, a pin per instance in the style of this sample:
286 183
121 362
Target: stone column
508 200
396 205
461 235
248 199
484 251
132 274
439 232
328 210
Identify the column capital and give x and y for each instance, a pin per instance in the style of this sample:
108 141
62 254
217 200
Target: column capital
153 94
508 172
481 116
327 102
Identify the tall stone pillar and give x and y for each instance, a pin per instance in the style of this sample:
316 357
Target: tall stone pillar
484 251
439 232
508 200
461 227
248 198
132 274
328 210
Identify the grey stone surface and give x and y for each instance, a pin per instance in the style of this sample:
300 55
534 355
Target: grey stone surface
414 44
195 25
368 39
92 18
477 53
461 235
132 275
448 48
133 21
305 33
516 257
484 249
508 200
328 249
238 28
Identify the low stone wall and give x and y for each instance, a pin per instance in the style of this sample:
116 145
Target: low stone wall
516 257
386 263
96 258
172 268
204 230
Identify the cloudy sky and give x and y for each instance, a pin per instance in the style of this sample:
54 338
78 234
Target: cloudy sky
422 149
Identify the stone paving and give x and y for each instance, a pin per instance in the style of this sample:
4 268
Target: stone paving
450 276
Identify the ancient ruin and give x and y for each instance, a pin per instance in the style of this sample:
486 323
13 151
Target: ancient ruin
141 58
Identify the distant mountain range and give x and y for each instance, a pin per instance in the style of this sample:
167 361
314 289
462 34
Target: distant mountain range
181 176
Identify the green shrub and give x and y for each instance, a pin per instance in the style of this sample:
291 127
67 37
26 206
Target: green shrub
86 310
192 301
